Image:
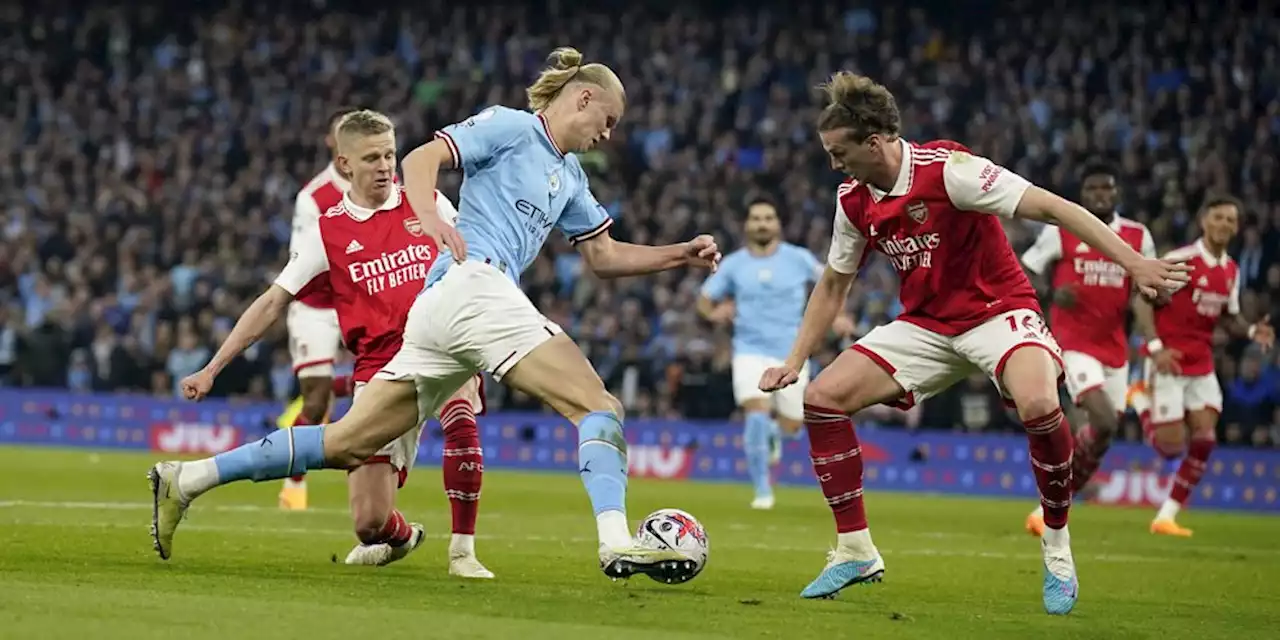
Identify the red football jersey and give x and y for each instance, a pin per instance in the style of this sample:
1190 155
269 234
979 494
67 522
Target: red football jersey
1187 322
319 195
1095 325
375 262
954 262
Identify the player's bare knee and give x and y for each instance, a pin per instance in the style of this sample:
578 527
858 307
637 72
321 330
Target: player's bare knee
1169 440
821 394
1032 404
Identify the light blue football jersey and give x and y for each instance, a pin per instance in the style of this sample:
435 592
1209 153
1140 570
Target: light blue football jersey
516 187
769 293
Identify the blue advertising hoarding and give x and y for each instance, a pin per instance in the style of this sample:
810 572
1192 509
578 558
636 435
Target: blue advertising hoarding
938 462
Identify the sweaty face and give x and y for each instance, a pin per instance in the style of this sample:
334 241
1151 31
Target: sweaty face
370 162
1220 224
763 225
599 111
1098 194
849 156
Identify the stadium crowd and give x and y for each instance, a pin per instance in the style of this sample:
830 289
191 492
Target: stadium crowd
151 155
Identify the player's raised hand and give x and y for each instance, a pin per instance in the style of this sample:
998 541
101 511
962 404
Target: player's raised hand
197 385
1153 276
775 378
702 252
1263 333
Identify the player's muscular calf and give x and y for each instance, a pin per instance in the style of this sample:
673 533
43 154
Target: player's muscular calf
372 491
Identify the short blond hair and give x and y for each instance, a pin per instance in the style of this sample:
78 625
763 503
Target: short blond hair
364 122
565 67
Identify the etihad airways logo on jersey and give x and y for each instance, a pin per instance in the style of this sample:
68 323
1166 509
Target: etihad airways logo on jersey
391 270
1099 273
910 252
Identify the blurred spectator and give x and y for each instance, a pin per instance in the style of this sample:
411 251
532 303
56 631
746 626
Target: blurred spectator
153 151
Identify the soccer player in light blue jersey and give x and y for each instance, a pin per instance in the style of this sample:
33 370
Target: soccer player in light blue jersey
761 291
521 182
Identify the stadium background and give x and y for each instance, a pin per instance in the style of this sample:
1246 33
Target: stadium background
151 154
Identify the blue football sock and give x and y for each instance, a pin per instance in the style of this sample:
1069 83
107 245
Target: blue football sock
281 454
602 461
755 443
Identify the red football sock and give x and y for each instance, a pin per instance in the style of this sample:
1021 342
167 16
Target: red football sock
300 420
1087 457
1191 469
837 461
463 464
343 386
395 531
1049 438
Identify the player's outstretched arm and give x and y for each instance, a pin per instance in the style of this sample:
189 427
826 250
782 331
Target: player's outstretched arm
252 324
1151 275
608 258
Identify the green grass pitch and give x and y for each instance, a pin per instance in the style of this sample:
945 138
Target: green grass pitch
76 562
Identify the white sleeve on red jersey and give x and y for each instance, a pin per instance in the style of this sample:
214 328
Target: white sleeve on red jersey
1046 250
306 215
1148 243
445 208
975 183
307 259
1233 302
847 244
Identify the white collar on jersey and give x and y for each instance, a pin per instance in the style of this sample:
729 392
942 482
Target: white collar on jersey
362 213
903 185
337 179
1208 257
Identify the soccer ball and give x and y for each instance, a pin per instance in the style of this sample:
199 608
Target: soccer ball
678 530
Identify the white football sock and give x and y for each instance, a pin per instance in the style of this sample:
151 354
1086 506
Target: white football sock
613 529
1056 539
1169 510
462 544
1039 512
858 544
195 478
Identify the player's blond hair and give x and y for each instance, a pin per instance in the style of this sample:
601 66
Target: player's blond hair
860 104
364 122
565 68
